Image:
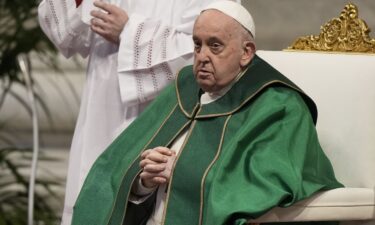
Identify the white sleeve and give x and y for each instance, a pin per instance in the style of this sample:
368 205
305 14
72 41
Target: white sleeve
153 50
61 22
139 192
147 42
150 54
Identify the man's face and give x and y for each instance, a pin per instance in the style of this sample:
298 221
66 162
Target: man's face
218 50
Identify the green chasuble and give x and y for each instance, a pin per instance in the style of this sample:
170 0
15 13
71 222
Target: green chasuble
254 148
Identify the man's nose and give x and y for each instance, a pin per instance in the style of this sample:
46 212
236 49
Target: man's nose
203 54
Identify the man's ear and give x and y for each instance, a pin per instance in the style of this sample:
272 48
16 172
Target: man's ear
248 48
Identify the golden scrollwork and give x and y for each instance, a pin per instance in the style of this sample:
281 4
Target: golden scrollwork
347 33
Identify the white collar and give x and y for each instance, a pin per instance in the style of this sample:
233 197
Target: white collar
209 97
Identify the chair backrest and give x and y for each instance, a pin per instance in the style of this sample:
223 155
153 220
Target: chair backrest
343 87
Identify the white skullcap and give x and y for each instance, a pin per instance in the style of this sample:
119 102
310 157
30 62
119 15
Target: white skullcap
236 11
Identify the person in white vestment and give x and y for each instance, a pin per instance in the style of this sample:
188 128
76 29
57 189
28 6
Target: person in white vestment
135 48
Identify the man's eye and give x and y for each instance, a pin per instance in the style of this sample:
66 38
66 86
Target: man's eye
197 46
216 47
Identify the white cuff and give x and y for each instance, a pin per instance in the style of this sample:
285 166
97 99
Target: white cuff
139 192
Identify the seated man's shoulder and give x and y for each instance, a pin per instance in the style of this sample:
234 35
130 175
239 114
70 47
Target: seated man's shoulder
185 72
282 97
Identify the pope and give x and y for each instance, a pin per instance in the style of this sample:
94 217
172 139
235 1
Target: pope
231 139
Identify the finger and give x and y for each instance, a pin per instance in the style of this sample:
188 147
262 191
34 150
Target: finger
147 181
145 153
164 151
151 177
154 168
99 30
100 15
153 182
159 180
144 175
145 162
157 157
99 23
104 6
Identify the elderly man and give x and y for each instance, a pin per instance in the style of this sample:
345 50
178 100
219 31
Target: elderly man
231 139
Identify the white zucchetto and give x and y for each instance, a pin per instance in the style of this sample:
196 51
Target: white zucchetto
236 11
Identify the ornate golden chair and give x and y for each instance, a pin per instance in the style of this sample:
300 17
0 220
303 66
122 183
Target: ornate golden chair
337 69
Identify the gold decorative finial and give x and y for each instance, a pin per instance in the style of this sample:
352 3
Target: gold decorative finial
347 33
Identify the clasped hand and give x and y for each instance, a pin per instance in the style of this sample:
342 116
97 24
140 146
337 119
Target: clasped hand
156 166
109 21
